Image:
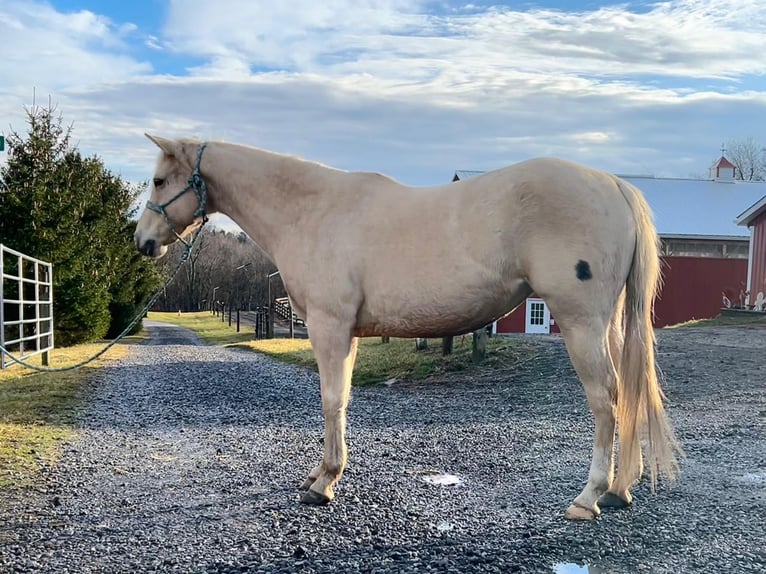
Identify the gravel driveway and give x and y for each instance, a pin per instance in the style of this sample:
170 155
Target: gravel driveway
189 456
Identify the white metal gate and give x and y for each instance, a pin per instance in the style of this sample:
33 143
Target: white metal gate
26 306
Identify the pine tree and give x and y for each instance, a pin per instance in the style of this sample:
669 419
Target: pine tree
67 209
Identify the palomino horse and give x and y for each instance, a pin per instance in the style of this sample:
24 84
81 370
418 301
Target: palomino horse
362 255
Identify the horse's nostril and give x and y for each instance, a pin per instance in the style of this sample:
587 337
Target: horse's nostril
148 248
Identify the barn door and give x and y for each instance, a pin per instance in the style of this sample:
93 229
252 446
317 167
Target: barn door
538 317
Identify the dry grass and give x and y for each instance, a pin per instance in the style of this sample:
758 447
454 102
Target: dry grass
743 320
377 361
209 327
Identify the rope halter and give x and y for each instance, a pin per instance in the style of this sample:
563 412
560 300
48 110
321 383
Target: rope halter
196 184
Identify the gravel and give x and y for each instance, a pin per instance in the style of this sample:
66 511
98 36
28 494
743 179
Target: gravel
188 459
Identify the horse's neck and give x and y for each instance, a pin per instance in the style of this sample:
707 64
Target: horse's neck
262 192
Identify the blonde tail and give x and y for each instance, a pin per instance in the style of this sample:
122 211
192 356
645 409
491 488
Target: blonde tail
639 396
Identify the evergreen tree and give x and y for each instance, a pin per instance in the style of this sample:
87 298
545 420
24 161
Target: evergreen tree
67 209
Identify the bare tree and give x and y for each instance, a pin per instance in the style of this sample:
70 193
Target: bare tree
749 159
226 266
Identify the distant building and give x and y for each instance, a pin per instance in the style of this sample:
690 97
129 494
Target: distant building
723 170
704 246
754 218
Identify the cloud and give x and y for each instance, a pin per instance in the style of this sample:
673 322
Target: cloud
51 50
418 140
717 39
281 34
402 87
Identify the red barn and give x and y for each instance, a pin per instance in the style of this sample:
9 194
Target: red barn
755 219
704 251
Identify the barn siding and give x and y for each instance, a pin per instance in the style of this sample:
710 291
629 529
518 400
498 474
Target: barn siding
758 277
692 288
514 322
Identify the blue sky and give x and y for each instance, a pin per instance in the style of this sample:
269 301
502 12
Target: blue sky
412 88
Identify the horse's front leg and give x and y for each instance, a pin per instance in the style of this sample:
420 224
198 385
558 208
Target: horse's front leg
335 352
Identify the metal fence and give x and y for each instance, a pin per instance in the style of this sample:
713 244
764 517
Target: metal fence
26 306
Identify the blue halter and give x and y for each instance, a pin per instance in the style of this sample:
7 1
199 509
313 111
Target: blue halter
196 184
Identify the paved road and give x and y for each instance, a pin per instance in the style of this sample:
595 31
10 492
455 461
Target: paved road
281 327
188 458
166 334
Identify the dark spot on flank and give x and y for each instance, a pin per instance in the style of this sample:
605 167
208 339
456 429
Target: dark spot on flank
583 270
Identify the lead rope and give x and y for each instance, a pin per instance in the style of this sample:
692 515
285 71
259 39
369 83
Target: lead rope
184 258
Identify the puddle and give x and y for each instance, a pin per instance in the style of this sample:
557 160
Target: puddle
442 479
436 477
572 568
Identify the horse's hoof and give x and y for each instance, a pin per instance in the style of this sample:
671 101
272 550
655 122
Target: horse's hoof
611 500
314 498
575 512
307 483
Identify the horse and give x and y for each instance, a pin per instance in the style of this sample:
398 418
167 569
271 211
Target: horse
362 255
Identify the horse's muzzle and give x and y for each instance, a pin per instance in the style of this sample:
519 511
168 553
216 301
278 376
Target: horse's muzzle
147 248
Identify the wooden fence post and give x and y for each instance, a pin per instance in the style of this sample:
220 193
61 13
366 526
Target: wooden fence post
479 351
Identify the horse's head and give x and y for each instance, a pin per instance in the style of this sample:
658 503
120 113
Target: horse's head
178 199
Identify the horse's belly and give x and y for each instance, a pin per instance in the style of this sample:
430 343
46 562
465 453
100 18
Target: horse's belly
438 316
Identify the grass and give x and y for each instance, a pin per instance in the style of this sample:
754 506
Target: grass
743 320
377 361
37 410
209 327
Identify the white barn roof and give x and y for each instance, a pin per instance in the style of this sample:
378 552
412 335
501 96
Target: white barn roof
698 206
692 207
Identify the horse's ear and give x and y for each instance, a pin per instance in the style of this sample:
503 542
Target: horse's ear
170 147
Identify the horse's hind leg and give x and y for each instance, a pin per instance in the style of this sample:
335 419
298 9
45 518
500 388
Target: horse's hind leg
588 346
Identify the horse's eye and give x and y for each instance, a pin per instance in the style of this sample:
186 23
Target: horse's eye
159 182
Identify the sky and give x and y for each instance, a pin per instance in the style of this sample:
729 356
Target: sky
413 89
